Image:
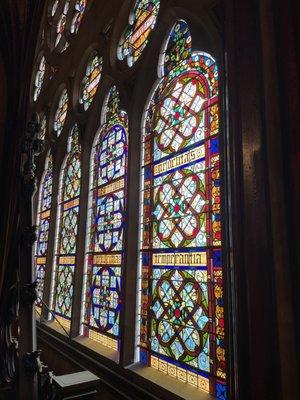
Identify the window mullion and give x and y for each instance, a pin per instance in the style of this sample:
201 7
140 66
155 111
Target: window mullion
80 253
128 316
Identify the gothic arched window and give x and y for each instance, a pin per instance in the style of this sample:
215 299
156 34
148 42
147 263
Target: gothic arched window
182 326
105 252
133 258
67 229
43 222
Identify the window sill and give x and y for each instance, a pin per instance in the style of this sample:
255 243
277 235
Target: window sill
183 390
55 326
85 342
98 348
144 382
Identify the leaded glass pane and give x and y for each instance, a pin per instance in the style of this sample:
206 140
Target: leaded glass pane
90 81
61 112
39 78
80 7
61 27
54 7
43 130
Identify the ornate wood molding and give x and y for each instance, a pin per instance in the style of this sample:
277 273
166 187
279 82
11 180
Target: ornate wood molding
8 337
22 293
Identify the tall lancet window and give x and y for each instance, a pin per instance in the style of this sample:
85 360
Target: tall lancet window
67 227
182 321
105 240
43 221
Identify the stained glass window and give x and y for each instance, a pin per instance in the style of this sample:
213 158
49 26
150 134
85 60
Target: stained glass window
39 78
61 112
80 7
54 7
90 81
107 214
43 122
61 27
142 20
43 221
68 212
182 315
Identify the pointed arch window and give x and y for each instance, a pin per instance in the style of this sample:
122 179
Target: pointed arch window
181 323
142 20
43 222
105 237
67 229
174 227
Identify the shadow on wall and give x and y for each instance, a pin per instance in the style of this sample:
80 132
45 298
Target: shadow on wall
61 365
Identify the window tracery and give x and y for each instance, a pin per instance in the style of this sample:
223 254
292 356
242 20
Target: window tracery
67 22
142 20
